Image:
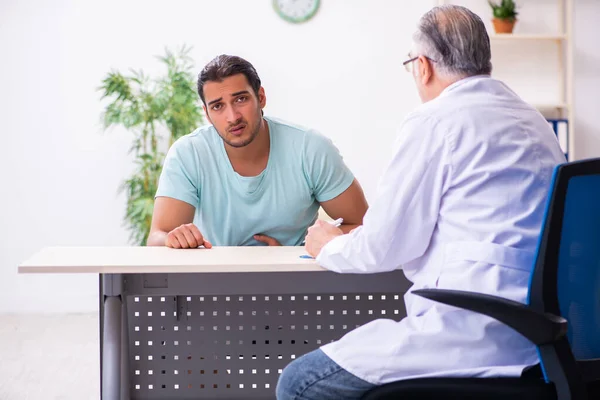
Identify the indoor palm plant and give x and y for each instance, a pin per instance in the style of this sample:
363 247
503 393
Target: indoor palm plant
157 111
505 15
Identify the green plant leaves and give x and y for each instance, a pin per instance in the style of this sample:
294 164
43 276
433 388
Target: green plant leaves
506 9
167 107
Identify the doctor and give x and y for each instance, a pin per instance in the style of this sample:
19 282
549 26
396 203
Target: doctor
460 206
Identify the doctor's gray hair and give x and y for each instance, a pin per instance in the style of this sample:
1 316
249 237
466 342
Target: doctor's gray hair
456 38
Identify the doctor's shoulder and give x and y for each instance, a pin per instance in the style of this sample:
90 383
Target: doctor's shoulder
425 128
419 121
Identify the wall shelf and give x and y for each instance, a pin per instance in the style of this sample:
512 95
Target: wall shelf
527 36
560 35
551 106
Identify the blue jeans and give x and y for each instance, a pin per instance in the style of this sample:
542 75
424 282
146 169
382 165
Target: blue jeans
315 376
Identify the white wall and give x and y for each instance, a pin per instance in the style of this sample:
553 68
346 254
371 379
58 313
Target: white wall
587 78
340 73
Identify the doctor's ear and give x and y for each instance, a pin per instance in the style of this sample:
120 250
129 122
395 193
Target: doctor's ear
425 69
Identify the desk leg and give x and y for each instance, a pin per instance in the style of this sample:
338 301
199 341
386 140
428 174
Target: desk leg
101 323
114 351
124 352
111 356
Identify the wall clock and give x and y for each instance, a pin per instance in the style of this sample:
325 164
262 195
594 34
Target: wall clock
296 11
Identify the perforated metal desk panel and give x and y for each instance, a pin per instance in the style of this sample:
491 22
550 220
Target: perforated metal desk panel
220 323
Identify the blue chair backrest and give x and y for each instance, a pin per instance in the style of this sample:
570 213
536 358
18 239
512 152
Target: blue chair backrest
566 277
578 276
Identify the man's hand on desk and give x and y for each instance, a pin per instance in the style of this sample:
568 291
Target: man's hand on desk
319 235
186 236
267 239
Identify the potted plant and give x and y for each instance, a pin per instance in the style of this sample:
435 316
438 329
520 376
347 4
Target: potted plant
157 111
505 16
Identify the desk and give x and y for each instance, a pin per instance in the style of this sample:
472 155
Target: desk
218 323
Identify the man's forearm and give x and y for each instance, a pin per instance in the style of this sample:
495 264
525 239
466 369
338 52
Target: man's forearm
346 228
157 238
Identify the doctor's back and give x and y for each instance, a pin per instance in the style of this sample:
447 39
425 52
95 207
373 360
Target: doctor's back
460 206
501 153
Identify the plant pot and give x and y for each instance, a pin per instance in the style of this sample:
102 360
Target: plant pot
504 25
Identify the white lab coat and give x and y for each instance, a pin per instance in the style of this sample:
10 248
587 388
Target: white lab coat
460 206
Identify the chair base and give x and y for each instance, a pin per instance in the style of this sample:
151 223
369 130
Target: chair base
593 390
464 389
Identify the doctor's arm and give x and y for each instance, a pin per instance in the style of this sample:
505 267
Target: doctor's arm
398 225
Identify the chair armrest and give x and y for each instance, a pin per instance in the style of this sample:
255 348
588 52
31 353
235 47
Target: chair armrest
540 328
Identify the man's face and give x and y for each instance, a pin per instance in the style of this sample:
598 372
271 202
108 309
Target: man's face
234 109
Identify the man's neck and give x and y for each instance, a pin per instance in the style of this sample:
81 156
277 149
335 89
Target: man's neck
252 159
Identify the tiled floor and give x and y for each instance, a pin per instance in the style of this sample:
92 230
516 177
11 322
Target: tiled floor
49 357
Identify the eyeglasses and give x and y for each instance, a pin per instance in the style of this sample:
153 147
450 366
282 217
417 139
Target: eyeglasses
408 63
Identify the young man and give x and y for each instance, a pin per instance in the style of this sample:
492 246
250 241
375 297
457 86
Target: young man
460 206
248 179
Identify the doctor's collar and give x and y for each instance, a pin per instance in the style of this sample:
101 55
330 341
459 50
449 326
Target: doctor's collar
460 82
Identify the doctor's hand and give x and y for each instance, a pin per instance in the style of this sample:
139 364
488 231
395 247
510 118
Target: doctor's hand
319 235
186 236
267 239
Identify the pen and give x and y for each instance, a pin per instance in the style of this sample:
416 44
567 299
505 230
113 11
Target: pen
335 223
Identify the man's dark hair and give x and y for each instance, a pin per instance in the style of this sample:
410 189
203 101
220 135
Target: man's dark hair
224 66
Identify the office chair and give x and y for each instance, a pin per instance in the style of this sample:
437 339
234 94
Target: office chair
562 317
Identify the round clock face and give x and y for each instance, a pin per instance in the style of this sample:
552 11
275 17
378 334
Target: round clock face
296 10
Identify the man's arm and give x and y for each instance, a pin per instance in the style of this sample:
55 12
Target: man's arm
351 205
172 225
333 184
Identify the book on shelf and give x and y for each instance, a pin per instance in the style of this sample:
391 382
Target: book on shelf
560 127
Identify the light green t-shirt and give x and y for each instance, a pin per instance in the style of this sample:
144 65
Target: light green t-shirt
304 169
